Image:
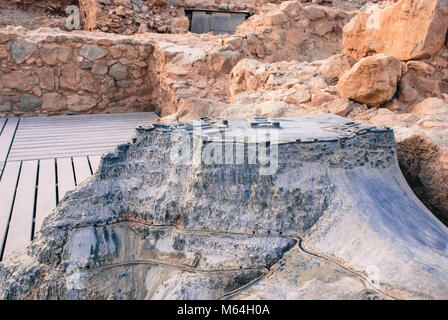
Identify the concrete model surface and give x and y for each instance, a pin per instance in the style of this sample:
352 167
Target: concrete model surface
314 207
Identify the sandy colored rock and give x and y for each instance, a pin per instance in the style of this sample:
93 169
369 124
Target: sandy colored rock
275 18
407 29
431 106
248 74
297 97
267 108
372 80
304 32
340 107
193 108
334 67
407 94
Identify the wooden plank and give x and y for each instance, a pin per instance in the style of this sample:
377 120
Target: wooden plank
55 153
79 153
66 135
98 126
95 162
44 150
100 116
87 117
66 179
60 141
8 185
82 169
89 122
46 192
20 226
2 124
6 138
49 148
73 145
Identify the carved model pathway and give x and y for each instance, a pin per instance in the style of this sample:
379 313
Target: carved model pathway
43 158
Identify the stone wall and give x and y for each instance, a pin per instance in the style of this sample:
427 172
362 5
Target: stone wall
53 72
293 31
161 16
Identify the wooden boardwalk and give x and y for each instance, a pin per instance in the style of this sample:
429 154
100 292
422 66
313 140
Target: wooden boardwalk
43 158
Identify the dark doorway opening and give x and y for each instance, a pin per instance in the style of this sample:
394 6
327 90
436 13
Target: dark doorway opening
216 21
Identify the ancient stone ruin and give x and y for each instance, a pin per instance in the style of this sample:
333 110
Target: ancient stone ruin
301 149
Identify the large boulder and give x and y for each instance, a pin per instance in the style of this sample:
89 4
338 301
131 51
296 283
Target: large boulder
372 80
408 29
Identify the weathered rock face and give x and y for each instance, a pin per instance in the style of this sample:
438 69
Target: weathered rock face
372 80
300 84
408 29
424 163
304 32
153 225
